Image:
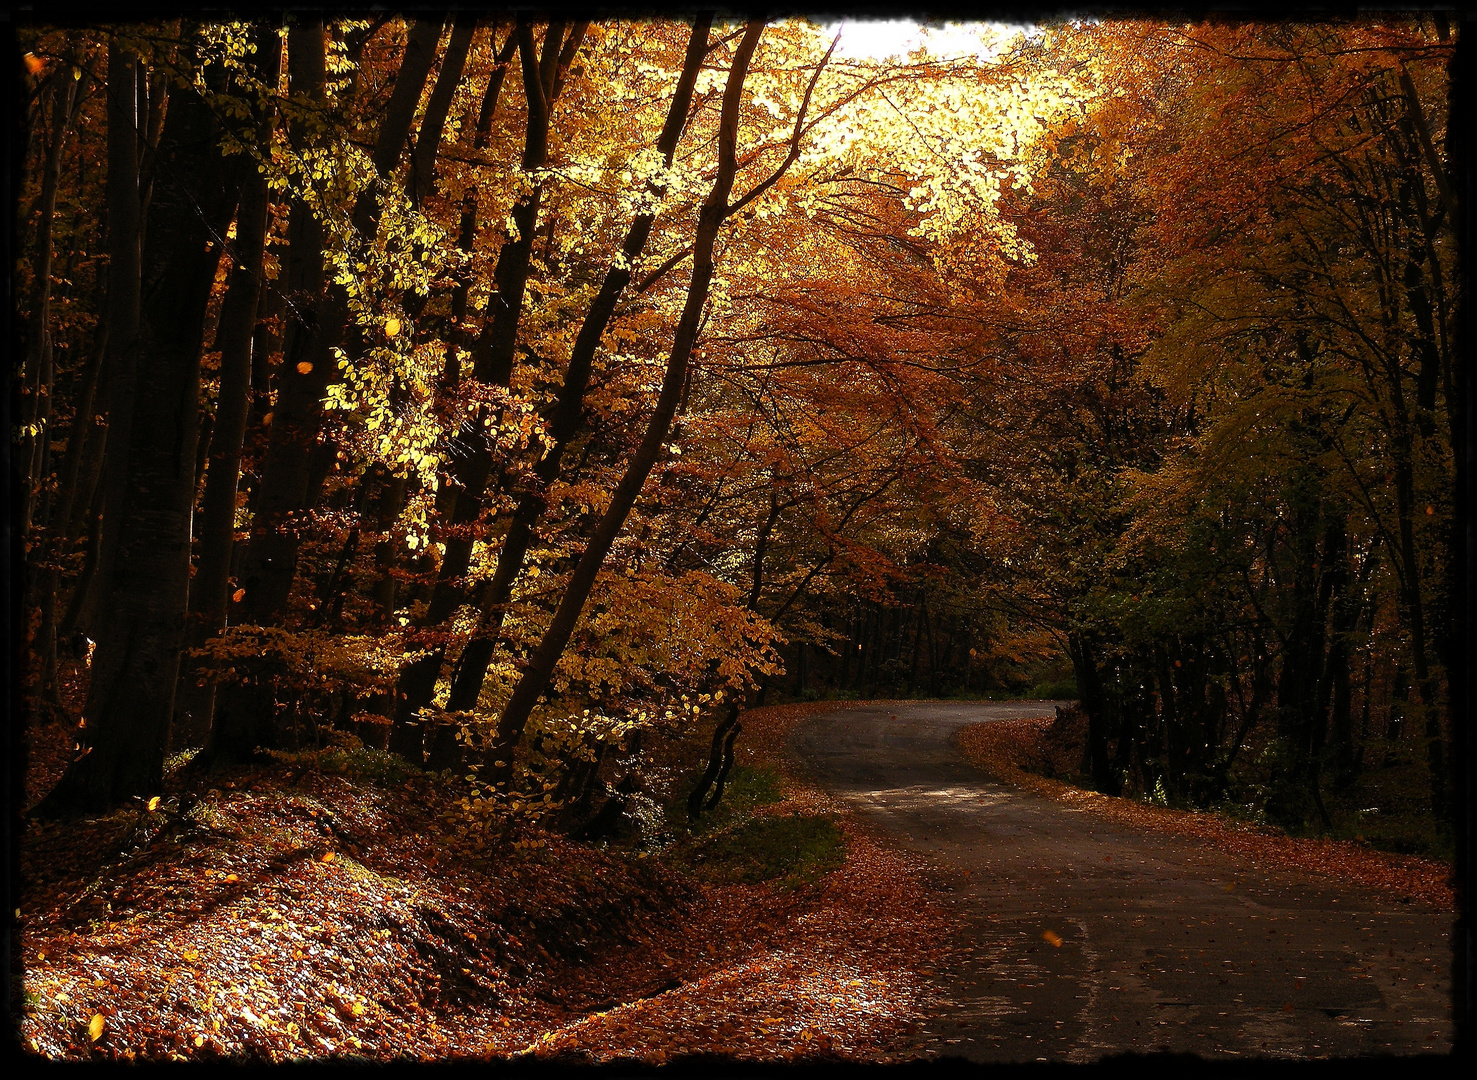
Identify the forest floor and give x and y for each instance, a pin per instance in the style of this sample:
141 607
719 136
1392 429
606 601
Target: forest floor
336 906
340 906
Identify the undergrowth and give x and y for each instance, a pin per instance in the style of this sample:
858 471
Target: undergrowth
738 842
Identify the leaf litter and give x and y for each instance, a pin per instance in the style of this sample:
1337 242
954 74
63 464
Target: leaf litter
286 913
1006 749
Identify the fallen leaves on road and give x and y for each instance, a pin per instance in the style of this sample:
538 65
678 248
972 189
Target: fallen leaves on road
1001 746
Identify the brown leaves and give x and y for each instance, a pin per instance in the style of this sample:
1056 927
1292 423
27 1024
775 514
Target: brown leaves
250 948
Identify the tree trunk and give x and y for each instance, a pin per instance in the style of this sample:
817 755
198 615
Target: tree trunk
269 563
494 90
710 219
126 721
235 334
422 179
37 370
470 462
569 406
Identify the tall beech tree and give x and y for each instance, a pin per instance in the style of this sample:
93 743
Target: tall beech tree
125 723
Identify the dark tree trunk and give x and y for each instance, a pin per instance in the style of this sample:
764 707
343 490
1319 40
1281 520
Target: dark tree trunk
422 179
120 361
720 754
126 721
37 369
470 463
235 334
1090 690
721 731
243 713
566 419
494 90
715 208
1461 543
269 563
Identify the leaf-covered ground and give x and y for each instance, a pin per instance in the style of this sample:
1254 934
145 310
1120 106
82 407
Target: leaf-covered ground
1010 749
333 910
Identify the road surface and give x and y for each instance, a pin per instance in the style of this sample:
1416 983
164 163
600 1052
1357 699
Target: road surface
1165 943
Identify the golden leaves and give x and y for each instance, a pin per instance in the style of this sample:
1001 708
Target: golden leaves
95 1027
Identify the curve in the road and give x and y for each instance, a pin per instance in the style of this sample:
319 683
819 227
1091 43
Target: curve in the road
1162 943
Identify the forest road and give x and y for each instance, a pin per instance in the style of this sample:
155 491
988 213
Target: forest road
1165 943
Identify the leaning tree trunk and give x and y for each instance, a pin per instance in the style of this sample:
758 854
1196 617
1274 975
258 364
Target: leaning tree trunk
710 219
470 457
564 423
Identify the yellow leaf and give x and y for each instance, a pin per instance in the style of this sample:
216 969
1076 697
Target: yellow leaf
392 327
199 1040
304 368
328 856
95 1027
191 955
153 804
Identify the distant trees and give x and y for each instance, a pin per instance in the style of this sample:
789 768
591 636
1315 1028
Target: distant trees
1256 450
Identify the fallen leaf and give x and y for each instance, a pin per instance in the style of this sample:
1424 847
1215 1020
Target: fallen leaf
1052 938
95 1027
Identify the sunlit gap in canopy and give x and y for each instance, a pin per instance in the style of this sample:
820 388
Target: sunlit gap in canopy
889 39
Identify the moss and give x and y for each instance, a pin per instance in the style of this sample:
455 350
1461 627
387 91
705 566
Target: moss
791 850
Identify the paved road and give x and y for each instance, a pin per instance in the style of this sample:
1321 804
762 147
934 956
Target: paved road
1165 943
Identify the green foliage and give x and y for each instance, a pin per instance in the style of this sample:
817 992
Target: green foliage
346 755
747 789
791 850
